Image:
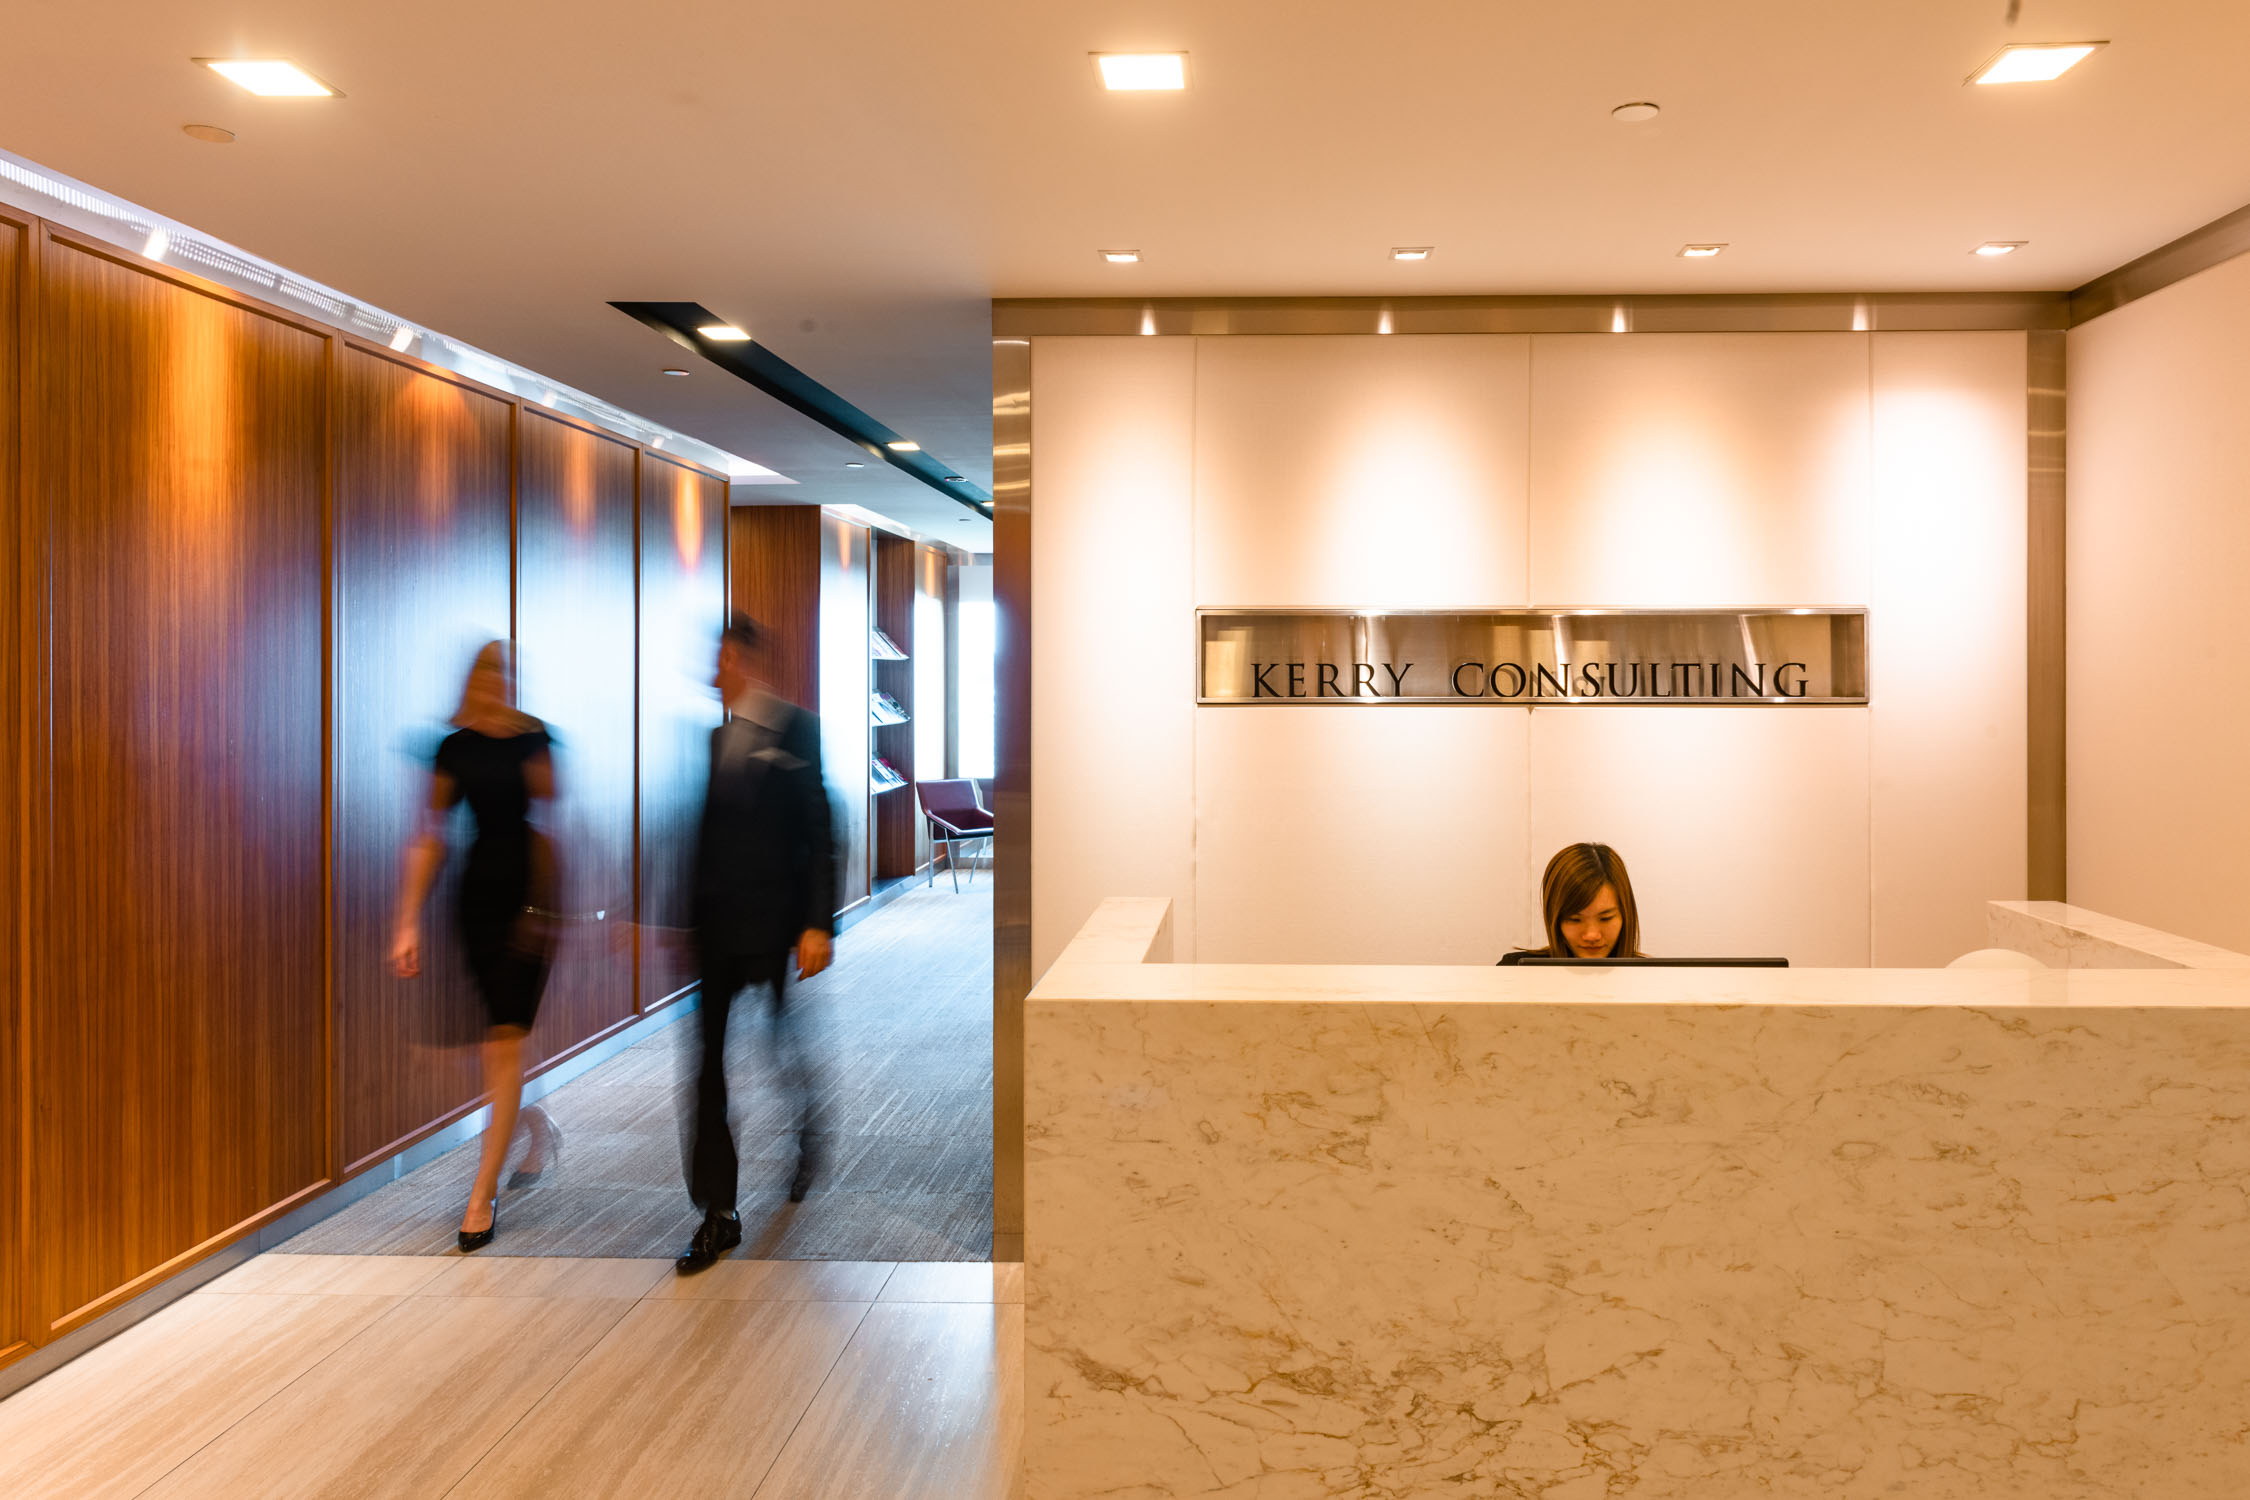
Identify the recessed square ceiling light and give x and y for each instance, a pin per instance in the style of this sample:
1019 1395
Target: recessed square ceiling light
1699 252
1121 257
1411 252
904 445
270 77
2034 63
1999 247
723 333
1142 72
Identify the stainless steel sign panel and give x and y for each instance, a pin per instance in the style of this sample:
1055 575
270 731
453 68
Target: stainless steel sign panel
1532 657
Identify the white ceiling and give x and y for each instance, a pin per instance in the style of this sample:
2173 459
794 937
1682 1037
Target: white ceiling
853 181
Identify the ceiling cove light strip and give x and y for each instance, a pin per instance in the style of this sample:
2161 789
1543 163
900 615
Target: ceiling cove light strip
689 325
128 226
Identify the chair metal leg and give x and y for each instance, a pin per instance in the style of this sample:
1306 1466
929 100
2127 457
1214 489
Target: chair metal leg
953 862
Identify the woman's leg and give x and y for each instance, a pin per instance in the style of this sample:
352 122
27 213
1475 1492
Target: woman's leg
503 1079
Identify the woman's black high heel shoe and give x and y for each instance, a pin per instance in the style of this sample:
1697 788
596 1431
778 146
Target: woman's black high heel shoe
477 1239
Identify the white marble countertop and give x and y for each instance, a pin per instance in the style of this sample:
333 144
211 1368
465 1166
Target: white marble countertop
1371 984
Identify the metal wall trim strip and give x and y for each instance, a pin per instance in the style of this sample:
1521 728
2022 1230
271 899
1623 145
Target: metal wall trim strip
1011 905
2046 658
1823 312
2198 250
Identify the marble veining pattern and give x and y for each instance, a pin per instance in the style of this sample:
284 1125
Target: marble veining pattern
2063 936
1300 1249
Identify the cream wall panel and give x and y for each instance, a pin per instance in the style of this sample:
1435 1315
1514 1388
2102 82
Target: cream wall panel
1360 835
1699 470
1946 640
2159 589
1745 829
1360 472
1113 645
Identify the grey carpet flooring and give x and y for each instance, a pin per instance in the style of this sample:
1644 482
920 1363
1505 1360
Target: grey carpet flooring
902 1024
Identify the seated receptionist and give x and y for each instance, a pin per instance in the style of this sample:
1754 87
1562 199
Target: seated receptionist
1586 899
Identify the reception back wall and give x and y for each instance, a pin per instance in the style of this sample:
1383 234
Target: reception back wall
1660 470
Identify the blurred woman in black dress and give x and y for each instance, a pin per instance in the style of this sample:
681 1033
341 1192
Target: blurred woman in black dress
499 760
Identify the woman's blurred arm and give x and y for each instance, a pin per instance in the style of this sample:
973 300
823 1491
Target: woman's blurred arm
425 855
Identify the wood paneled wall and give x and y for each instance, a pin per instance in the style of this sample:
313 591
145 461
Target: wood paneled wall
775 558
424 468
575 521
177 1037
246 561
15 1098
683 587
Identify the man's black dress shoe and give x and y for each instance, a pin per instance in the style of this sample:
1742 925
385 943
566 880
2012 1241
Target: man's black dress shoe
718 1234
808 1167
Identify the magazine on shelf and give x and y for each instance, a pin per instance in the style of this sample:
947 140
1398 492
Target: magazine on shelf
885 776
886 709
885 649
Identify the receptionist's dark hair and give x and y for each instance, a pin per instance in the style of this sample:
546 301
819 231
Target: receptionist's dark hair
1575 876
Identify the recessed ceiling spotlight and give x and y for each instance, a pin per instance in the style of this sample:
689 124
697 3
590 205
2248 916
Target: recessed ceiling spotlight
723 333
1411 252
1999 247
1634 113
217 135
1700 252
904 445
682 374
2034 62
855 466
270 77
1142 72
955 479
1122 257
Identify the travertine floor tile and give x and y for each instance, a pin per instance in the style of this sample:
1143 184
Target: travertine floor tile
682 1398
115 1420
358 1275
955 1281
404 1410
487 1275
926 1401
782 1281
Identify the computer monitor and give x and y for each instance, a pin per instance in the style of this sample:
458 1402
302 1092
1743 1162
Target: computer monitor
1544 961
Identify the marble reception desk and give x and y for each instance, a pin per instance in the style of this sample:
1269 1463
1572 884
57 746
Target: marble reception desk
1579 1235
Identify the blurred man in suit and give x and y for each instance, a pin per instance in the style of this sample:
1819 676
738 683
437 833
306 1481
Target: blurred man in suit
764 893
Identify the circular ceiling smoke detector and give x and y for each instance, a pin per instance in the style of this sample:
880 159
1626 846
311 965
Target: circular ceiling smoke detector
1634 113
217 135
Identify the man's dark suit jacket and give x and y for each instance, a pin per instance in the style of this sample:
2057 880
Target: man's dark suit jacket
765 858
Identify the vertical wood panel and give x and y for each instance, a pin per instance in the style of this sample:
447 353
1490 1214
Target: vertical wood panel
774 555
575 505
13 1240
844 677
177 1019
421 580
683 603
